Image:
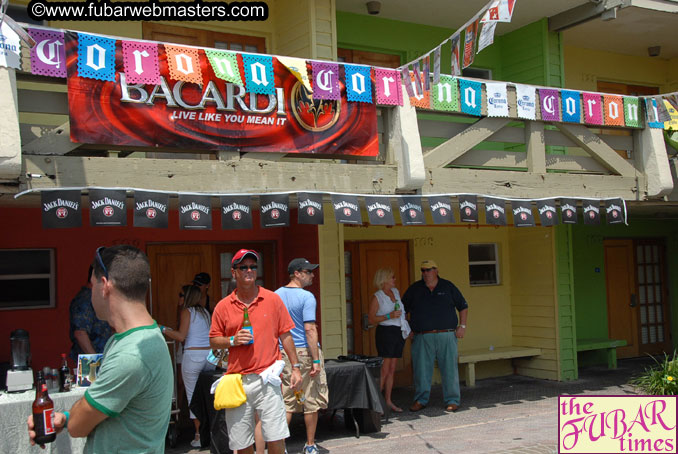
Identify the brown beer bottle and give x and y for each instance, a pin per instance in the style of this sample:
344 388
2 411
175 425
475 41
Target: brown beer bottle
43 413
63 375
247 325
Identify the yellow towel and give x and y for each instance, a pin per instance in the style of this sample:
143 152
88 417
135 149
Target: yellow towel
229 392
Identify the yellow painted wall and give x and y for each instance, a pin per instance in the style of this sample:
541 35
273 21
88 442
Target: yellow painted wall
585 67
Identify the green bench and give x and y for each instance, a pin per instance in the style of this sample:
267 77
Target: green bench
610 345
471 357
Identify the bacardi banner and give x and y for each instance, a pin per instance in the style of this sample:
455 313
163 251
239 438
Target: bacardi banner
591 211
151 209
310 208
522 213
411 212
441 209
495 211
61 209
468 208
107 207
346 209
274 210
379 210
236 212
216 115
547 212
195 212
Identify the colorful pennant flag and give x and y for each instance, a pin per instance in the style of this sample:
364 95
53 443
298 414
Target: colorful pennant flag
631 111
48 56
225 65
468 208
236 212
470 92
497 99
411 211
526 101
107 207
445 95
274 210
436 65
310 208
10 47
409 87
614 110
568 211
549 102
184 64
662 113
591 211
388 87
495 211
456 69
416 77
441 209
470 43
486 37
379 210
259 76
297 66
593 109
195 212
652 114
61 208
615 211
151 209
522 213
140 61
346 209
422 100
499 11
427 72
358 83
325 80
548 215
571 105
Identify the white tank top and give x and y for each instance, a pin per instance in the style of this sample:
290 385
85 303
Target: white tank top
387 306
198 330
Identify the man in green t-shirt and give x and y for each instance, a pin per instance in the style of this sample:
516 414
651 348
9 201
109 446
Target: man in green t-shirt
127 408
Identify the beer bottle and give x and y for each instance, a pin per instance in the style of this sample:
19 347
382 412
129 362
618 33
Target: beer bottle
247 325
299 394
63 375
397 306
43 413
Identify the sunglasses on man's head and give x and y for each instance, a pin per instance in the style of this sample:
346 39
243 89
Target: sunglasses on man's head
246 267
100 260
423 270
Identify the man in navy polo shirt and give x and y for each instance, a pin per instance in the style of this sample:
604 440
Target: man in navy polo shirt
432 304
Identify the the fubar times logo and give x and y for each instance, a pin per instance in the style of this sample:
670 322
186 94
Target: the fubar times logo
617 424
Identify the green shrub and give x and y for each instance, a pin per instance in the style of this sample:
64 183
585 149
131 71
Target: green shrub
659 380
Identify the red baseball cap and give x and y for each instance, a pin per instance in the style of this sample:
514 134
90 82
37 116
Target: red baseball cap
241 254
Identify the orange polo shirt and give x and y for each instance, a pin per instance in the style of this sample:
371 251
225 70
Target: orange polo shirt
269 319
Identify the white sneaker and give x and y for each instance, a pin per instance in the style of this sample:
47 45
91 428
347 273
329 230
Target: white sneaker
195 443
310 449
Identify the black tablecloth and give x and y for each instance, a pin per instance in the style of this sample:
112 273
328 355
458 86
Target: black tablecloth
351 384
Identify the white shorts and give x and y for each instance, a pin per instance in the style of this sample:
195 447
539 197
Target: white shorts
267 401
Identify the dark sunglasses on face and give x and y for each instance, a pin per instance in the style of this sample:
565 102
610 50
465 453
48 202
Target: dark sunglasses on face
423 270
100 261
181 295
307 271
245 267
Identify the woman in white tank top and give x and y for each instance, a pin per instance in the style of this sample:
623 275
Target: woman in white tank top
386 310
194 329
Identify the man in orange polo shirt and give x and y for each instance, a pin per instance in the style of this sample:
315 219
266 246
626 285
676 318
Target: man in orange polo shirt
270 322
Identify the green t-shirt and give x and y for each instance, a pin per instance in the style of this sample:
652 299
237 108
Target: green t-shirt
134 389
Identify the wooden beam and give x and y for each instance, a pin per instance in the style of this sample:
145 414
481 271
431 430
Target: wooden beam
463 142
55 142
10 137
404 145
653 160
526 185
598 149
536 150
518 159
209 175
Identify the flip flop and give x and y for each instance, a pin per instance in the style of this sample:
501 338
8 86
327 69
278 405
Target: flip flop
396 408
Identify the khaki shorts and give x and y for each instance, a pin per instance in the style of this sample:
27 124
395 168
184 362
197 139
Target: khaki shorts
315 389
266 400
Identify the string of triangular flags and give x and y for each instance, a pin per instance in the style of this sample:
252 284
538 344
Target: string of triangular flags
62 208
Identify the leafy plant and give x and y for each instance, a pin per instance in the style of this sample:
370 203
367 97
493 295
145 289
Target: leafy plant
661 379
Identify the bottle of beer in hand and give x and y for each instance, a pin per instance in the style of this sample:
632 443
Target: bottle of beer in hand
43 413
63 375
247 325
299 394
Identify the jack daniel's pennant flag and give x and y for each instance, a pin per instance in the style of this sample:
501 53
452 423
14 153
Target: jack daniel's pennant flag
591 212
411 212
522 213
441 210
568 211
151 209
236 212
379 211
614 210
310 208
495 211
195 212
275 210
61 209
468 208
107 207
547 212
346 209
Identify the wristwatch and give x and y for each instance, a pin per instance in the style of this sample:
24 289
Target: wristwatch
462 326
297 365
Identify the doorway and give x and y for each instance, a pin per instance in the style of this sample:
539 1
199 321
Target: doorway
363 259
637 298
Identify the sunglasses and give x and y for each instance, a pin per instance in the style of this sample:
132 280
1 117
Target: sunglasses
181 295
306 271
245 267
424 270
100 261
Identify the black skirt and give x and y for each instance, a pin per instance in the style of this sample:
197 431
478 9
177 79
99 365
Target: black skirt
390 341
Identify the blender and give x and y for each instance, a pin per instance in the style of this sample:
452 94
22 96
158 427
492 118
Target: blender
20 376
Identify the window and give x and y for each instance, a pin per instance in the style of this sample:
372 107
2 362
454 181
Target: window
27 278
483 264
477 73
203 38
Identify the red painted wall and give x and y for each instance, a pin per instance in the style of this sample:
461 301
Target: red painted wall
74 251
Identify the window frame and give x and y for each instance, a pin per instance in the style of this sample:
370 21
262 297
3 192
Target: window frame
18 305
495 262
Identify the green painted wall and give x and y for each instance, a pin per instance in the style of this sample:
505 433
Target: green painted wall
567 325
589 274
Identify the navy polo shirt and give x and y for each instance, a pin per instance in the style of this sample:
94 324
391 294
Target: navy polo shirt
432 310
